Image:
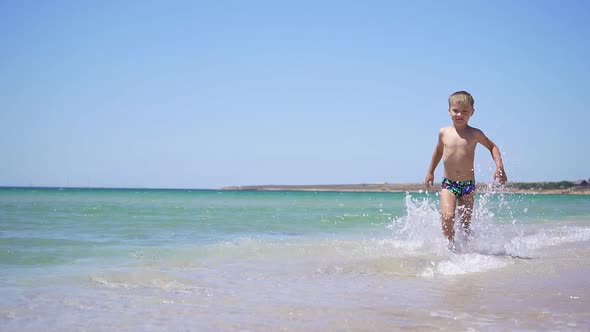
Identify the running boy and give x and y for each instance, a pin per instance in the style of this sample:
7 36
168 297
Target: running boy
456 146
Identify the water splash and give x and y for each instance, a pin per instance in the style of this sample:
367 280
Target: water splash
485 250
421 224
498 238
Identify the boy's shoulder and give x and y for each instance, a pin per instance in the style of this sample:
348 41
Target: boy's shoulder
445 130
472 131
475 131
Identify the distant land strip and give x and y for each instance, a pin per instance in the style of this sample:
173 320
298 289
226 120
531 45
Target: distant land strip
562 187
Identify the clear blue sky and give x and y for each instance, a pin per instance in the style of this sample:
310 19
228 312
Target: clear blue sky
198 94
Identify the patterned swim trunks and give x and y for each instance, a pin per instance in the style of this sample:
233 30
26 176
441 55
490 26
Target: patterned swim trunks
458 188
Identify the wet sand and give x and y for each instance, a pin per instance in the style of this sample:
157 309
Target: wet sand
548 292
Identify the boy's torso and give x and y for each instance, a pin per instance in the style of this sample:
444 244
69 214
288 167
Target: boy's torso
459 152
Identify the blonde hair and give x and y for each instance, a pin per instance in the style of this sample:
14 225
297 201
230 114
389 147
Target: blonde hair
462 97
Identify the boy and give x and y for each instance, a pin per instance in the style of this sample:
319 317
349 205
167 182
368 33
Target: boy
456 146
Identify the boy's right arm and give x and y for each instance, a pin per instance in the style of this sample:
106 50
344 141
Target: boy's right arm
436 157
499 174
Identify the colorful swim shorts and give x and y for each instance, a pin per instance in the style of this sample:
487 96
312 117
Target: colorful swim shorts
458 188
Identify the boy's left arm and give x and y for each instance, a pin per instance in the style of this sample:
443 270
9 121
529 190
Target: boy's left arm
499 174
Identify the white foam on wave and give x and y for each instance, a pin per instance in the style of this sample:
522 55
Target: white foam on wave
547 238
146 280
465 263
486 253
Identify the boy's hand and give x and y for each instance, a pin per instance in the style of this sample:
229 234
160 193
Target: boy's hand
500 175
429 180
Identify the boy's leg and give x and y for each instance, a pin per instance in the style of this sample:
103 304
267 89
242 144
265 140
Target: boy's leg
447 207
466 210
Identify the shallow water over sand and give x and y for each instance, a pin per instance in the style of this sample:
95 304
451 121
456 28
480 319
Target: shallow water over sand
167 260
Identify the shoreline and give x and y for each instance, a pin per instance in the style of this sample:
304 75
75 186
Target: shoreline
402 188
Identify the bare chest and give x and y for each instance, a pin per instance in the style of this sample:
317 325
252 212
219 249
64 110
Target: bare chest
463 143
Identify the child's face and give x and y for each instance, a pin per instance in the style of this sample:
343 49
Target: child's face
460 113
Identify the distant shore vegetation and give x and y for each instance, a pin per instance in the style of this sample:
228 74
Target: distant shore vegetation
561 185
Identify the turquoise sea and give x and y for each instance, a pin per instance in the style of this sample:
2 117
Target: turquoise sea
206 260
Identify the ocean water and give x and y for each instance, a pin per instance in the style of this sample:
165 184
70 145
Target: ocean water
200 260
